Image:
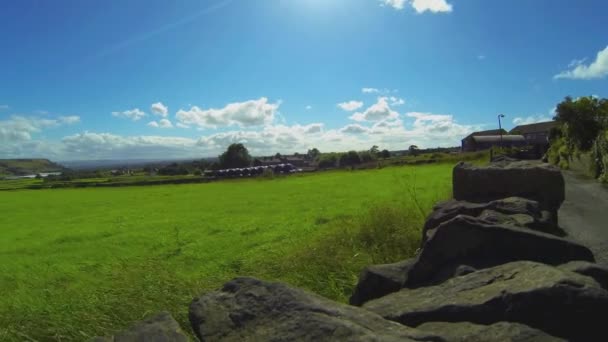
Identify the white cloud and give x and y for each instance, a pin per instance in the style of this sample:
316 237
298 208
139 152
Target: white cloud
579 71
69 120
531 119
18 129
133 114
90 145
159 109
422 129
243 114
354 129
350 105
162 123
309 107
396 101
370 90
181 125
313 128
421 6
396 4
434 6
379 111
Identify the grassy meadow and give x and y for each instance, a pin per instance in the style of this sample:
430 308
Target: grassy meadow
75 263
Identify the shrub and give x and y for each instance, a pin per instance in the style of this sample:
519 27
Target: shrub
367 156
349 159
328 161
599 155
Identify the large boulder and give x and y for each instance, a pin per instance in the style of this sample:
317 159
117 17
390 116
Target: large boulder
253 310
464 240
378 280
158 328
538 181
556 301
501 331
515 211
595 271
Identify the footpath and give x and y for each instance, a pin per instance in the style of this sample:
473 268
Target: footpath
584 213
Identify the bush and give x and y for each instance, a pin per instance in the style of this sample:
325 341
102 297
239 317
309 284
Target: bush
367 156
330 264
350 158
328 161
599 155
559 153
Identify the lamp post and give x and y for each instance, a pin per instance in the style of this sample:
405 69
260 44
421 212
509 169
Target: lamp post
500 127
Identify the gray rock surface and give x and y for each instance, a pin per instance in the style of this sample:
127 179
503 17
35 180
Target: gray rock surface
378 280
158 328
558 302
515 211
254 310
538 181
497 332
464 240
595 271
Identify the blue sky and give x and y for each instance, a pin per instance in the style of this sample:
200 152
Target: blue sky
177 79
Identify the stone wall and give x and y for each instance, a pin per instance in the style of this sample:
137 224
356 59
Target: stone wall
494 265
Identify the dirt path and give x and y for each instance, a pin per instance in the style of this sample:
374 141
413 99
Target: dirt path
584 213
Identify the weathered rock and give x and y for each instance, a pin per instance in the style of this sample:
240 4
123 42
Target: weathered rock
378 280
463 270
595 271
559 302
502 331
503 158
516 211
464 240
538 181
250 309
159 328
493 216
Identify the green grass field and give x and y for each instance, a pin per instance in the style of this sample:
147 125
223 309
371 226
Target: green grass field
76 263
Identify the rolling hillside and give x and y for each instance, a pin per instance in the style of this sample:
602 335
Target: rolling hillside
21 167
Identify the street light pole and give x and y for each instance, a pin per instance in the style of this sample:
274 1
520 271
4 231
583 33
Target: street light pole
500 127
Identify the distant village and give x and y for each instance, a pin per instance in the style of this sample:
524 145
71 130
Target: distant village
534 135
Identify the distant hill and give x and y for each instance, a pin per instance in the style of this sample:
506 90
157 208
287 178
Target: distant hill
124 163
22 167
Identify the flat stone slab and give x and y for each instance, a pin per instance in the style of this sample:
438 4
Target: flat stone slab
465 240
559 302
379 280
538 181
497 332
254 310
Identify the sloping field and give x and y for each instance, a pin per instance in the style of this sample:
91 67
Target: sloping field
27 166
75 263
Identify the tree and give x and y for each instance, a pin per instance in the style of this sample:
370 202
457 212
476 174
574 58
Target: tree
385 154
278 156
236 156
374 150
327 161
582 119
313 153
414 151
367 156
349 159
